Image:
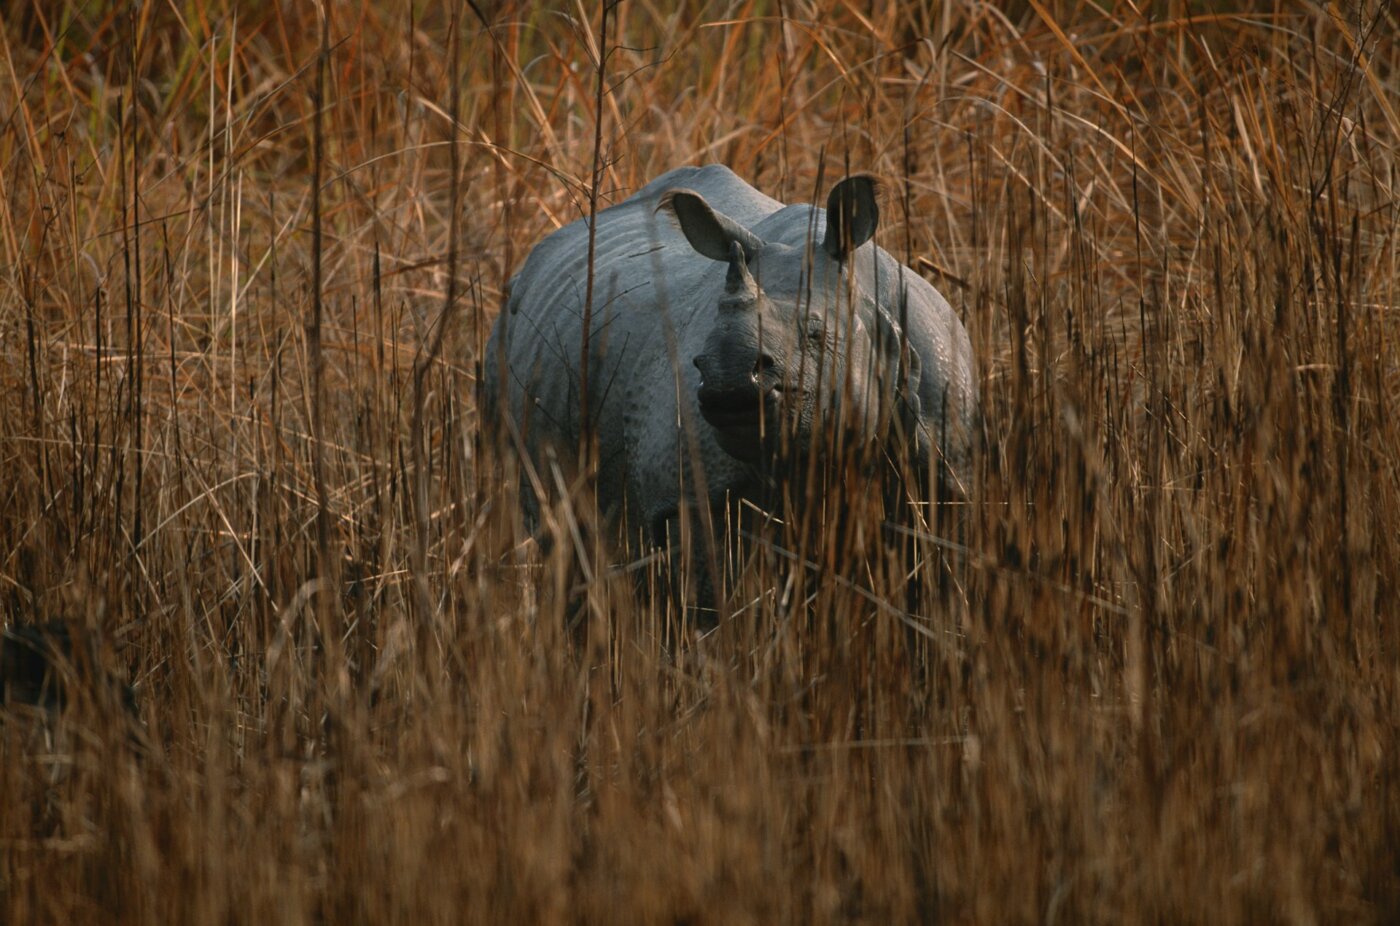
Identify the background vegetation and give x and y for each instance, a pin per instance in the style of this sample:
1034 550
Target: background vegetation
244 284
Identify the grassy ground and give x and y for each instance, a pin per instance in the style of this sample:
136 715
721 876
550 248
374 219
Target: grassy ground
244 284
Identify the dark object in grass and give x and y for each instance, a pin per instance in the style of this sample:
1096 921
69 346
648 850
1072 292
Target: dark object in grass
42 666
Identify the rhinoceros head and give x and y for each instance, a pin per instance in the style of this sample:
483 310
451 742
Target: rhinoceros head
795 351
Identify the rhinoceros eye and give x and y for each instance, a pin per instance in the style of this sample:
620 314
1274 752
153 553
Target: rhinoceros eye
816 329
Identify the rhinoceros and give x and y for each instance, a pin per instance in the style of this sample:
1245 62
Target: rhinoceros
731 336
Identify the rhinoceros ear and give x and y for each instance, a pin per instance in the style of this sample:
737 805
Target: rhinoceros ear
709 231
851 215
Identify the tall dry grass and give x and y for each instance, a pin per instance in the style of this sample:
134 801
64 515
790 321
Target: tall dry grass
241 457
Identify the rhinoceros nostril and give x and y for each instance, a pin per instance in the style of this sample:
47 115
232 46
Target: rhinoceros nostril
763 366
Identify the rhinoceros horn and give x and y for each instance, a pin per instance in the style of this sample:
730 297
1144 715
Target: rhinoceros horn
739 284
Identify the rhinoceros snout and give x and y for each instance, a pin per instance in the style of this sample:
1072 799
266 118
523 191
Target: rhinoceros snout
727 392
764 371
740 397
741 417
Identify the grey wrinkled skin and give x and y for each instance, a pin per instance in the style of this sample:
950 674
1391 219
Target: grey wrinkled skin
728 330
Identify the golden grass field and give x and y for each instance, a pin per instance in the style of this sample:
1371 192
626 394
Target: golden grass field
245 281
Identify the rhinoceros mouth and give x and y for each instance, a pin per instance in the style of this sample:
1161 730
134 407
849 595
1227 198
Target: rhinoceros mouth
740 409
